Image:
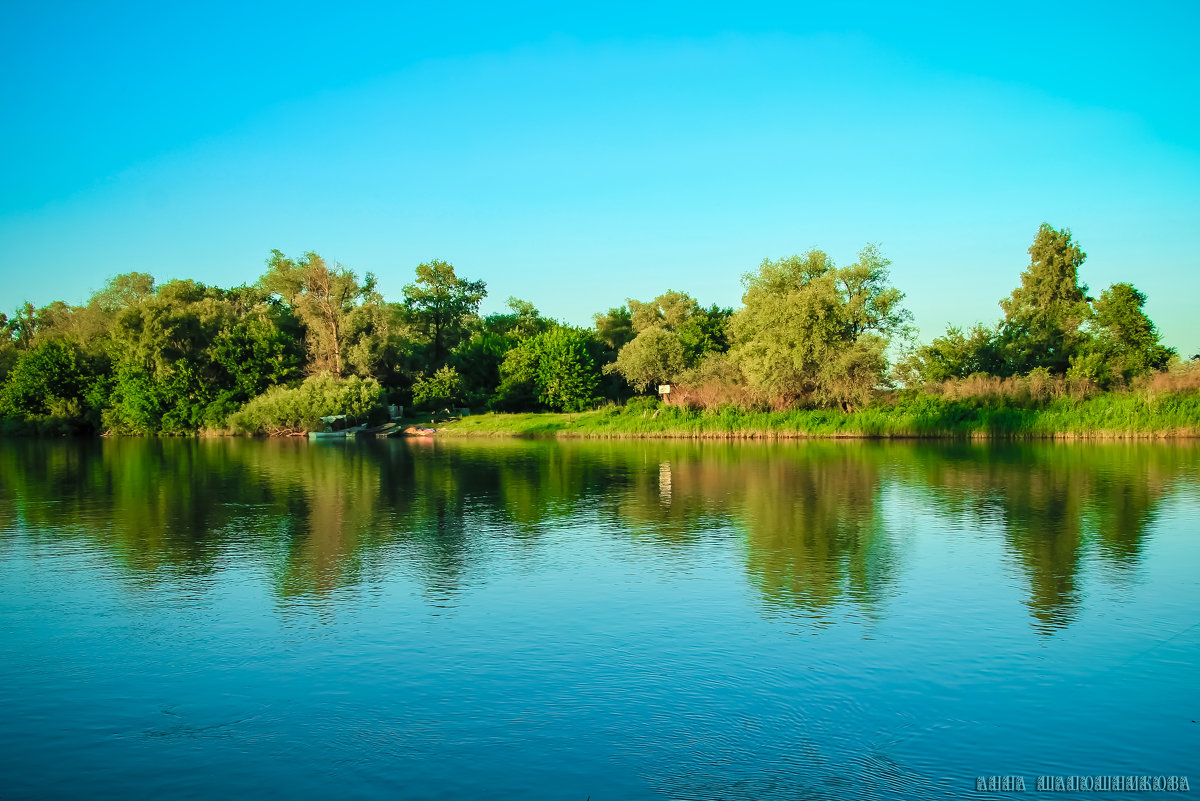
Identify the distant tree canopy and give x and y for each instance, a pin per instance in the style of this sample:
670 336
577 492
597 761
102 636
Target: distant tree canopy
1050 324
1124 336
663 337
310 338
322 299
810 332
1044 316
443 304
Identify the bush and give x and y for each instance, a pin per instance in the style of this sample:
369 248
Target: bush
280 410
642 403
443 388
554 369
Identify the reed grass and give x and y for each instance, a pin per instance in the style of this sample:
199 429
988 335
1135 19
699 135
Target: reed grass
1143 414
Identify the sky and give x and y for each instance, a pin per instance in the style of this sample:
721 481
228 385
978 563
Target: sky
577 156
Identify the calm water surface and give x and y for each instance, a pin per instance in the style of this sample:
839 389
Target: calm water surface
647 620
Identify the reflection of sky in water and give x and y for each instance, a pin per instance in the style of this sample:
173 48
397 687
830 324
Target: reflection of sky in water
645 619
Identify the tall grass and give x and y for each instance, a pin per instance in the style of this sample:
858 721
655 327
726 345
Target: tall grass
911 414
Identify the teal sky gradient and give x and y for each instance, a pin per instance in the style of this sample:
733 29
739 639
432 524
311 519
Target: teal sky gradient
579 157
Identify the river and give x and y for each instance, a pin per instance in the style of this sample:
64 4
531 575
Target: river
615 620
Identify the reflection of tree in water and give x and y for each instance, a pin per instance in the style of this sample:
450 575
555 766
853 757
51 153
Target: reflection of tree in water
1056 503
187 508
669 493
812 531
318 517
152 502
814 534
322 516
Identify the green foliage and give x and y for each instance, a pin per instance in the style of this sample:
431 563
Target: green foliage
655 356
378 342
163 372
479 356
8 348
443 305
188 356
478 361
323 299
809 332
615 327
1126 340
123 291
555 368
567 378
282 410
523 320
656 341
144 359
1051 325
958 355
703 332
670 311
1043 317
51 380
259 350
443 388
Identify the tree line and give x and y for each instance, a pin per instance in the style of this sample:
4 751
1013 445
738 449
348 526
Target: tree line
309 339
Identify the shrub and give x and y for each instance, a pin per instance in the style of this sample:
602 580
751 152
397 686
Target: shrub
443 388
280 410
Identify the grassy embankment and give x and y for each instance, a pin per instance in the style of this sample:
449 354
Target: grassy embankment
1125 415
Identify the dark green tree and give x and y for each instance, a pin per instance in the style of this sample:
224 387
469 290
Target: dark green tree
1124 342
615 328
1044 316
51 378
956 354
443 305
555 369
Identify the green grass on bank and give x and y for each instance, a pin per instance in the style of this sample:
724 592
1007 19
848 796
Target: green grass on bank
915 415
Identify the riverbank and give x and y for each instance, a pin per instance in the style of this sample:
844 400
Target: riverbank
1128 415
1123 416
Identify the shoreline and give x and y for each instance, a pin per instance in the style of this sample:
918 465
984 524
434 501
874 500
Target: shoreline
1064 422
1187 434
1125 416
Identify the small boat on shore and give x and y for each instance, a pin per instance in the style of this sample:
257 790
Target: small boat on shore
419 431
333 432
345 433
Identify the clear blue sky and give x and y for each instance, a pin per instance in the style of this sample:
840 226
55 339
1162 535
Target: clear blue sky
575 157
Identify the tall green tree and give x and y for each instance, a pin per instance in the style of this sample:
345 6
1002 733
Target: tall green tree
615 327
323 299
655 356
443 305
669 335
1044 316
1124 343
811 332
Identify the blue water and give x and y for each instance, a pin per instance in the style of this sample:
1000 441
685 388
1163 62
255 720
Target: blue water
647 620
